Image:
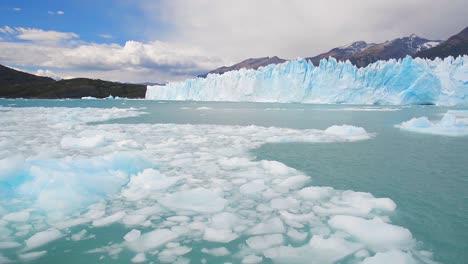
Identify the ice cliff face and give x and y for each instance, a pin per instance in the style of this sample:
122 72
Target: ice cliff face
393 82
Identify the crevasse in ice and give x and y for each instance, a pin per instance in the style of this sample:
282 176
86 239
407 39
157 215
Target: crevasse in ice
393 82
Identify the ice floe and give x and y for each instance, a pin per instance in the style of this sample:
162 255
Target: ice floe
453 123
179 191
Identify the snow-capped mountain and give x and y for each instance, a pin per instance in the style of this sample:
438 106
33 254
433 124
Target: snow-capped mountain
454 46
362 54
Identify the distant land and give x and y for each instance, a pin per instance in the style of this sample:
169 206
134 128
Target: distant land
18 84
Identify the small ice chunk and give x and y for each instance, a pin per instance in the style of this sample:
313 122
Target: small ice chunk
315 193
420 122
134 219
179 218
296 236
224 220
21 216
375 233
275 167
147 182
94 214
152 240
199 226
81 236
198 200
270 226
109 219
217 252
112 249
132 235
284 203
294 182
318 250
32 255
42 238
251 259
333 249
138 258
219 235
9 244
252 187
265 242
65 224
449 125
150 210
348 132
171 255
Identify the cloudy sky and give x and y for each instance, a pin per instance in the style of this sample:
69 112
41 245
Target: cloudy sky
167 40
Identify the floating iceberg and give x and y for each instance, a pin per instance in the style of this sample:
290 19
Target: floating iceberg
394 82
453 123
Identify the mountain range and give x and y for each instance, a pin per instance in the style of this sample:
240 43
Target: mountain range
253 63
454 46
361 53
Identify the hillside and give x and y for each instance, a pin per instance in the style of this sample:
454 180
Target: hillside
362 54
454 46
18 84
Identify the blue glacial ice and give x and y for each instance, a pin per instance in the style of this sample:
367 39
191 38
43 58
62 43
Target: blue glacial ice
394 82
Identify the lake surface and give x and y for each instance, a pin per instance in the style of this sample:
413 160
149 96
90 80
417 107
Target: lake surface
425 175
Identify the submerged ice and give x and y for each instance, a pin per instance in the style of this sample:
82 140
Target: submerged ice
180 193
393 82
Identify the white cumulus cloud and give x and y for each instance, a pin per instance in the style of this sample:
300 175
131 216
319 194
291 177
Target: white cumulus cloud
34 34
66 55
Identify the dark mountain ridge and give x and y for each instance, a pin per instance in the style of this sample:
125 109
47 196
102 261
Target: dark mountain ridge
18 84
252 63
362 54
454 46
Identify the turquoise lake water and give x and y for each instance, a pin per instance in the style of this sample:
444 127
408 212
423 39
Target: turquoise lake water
425 175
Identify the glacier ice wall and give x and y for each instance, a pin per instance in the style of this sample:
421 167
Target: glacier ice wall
393 82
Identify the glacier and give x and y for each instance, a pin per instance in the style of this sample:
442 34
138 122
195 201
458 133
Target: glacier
407 81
